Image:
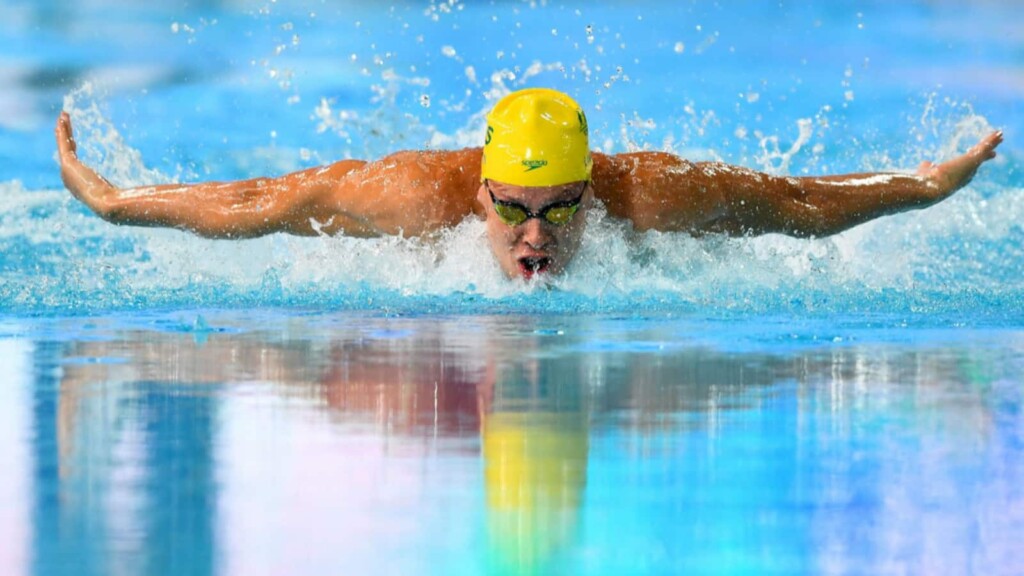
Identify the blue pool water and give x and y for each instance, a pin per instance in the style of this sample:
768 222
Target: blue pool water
846 405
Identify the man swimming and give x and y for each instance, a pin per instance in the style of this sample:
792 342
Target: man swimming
534 180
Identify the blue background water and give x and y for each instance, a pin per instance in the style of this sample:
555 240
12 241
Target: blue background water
228 90
841 405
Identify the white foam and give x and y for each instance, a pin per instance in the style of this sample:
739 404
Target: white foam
946 243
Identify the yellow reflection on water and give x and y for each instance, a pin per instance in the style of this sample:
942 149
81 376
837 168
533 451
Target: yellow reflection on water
535 471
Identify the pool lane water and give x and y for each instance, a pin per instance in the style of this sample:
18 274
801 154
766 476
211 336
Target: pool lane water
262 443
849 405
222 90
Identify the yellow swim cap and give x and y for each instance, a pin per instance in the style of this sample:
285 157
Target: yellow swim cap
536 137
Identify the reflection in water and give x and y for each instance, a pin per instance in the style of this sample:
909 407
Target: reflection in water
134 489
535 459
505 446
535 471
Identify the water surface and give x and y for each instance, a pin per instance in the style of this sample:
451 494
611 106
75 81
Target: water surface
264 442
843 405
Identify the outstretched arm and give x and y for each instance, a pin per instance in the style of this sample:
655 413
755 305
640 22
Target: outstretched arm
663 192
411 193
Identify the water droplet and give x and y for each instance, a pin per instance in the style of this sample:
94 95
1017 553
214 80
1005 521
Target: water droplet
679 47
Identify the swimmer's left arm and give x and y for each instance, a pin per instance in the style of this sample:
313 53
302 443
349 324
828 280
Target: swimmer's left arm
822 206
663 192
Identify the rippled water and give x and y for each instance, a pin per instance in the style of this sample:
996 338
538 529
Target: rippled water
393 406
267 442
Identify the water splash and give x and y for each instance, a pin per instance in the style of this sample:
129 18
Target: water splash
772 159
960 257
101 146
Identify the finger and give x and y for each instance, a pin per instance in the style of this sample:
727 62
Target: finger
60 131
65 138
992 140
990 143
985 148
997 138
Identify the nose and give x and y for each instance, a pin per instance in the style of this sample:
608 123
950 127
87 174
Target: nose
535 234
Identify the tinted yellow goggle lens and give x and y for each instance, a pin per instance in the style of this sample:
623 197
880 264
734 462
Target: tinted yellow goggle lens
510 214
561 216
513 214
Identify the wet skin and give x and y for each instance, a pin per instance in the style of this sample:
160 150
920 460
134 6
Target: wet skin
417 193
535 247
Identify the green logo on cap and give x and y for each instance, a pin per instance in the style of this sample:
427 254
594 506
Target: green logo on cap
532 165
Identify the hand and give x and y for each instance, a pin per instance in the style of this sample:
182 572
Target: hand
954 174
83 182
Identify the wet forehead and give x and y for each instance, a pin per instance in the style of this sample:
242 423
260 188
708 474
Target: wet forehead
535 195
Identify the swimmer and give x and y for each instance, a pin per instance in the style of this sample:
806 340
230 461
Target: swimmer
533 182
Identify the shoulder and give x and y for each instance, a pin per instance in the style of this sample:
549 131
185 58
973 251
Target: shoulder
435 164
631 184
439 185
435 174
633 166
661 191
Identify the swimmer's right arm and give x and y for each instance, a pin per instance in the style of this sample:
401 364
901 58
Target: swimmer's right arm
351 197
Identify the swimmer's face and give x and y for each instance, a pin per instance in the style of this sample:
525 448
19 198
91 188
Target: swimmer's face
536 246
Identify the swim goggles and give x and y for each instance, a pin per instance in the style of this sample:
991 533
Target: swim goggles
514 213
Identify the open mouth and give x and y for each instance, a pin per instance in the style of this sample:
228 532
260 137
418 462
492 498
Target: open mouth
530 266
